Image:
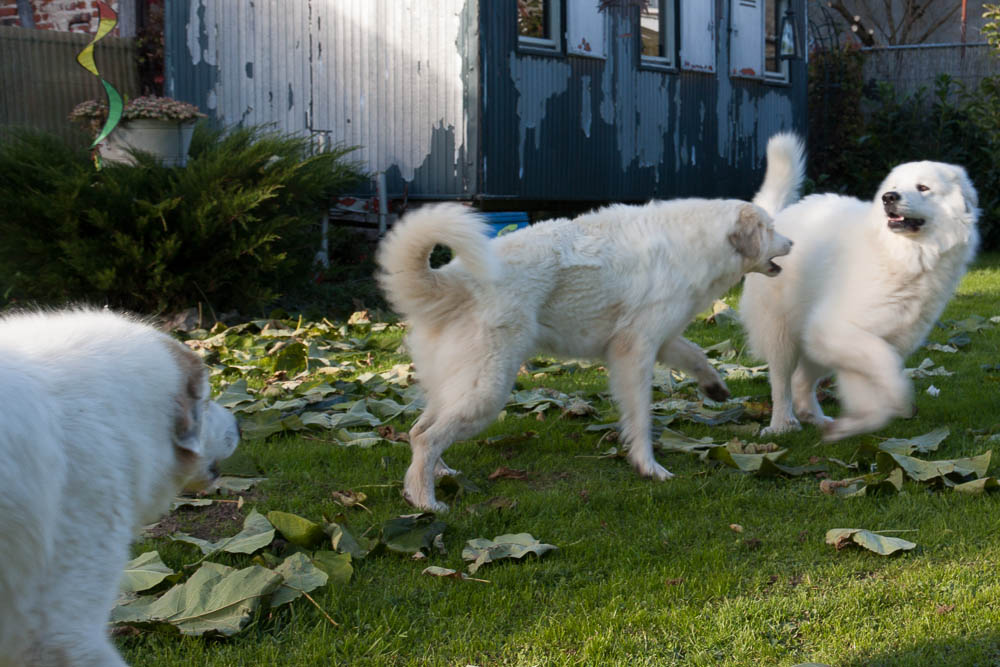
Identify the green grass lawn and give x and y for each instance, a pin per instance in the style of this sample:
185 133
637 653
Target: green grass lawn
645 572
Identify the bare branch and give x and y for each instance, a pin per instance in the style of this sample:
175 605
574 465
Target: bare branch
862 33
891 22
937 24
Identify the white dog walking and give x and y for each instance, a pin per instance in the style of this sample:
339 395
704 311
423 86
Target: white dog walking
102 420
863 288
620 283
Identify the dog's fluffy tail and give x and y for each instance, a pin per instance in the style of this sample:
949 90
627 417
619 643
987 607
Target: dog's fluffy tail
405 275
786 169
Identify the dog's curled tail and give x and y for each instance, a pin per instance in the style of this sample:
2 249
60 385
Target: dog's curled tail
786 169
405 274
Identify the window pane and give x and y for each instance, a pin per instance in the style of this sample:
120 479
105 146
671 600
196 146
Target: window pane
649 24
532 18
773 11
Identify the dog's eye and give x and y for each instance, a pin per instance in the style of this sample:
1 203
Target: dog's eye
922 188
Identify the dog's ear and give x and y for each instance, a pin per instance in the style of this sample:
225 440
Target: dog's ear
747 237
968 190
189 402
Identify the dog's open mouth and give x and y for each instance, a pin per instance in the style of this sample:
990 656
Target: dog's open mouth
898 223
772 268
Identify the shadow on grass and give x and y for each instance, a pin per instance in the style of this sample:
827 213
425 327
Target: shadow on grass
966 651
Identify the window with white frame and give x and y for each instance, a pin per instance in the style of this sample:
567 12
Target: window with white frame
539 24
754 47
774 67
656 26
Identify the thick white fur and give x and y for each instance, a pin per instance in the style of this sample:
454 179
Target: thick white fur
102 420
620 283
855 297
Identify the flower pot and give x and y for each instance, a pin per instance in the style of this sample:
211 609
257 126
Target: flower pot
167 139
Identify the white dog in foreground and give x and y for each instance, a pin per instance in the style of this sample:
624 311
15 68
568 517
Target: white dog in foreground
863 288
102 420
620 283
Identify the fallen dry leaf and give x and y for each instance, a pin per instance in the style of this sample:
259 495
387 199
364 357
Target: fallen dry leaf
350 498
391 434
827 486
503 472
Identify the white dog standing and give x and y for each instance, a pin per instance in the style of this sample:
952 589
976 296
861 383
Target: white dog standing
102 420
863 288
620 283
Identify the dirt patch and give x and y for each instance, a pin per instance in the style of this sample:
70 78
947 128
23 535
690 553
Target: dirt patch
213 522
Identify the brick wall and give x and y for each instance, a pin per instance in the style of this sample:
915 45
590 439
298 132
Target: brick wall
60 15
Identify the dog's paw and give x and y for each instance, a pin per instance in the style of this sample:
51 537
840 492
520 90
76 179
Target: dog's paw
788 426
437 507
442 469
838 429
654 470
819 421
716 391
425 504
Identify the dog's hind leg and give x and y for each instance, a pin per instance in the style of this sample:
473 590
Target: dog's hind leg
474 399
441 469
807 408
679 352
426 446
630 376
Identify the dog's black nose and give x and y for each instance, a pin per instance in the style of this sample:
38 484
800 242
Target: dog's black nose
890 198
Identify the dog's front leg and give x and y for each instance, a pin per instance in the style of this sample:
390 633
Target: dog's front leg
630 369
679 352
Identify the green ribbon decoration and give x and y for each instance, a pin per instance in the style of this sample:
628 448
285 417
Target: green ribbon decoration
108 20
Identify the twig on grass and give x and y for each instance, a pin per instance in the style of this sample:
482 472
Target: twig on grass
321 610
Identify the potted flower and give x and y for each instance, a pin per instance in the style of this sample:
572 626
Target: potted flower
158 125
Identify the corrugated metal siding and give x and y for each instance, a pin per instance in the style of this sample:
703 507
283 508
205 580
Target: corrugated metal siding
244 62
393 74
568 128
387 76
438 96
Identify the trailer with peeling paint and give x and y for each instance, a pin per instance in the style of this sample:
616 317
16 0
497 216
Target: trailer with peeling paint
451 99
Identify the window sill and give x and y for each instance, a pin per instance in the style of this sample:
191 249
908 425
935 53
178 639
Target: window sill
657 65
539 48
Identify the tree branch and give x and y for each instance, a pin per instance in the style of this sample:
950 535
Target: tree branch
937 24
891 20
862 32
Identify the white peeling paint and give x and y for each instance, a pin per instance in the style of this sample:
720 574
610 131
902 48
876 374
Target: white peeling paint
193 30
391 79
547 79
373 74
585 113
641 121
608 94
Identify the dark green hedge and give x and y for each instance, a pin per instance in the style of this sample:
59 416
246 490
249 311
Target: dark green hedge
859 130
232 230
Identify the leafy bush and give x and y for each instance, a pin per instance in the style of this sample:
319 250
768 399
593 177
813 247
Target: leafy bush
233 229
835 88
851 151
